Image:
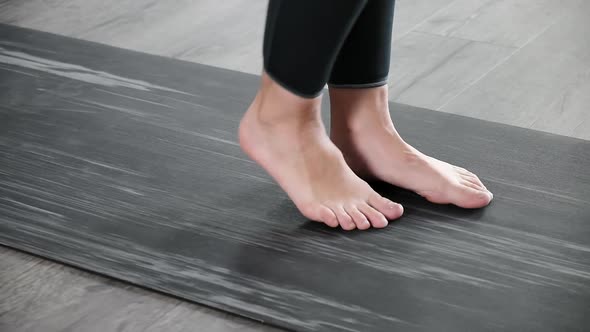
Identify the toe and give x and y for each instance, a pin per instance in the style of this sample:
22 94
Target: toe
319 213
476 179
327 216
461 170
473 178
471 184
471 198
344 219
376 218
359 219
388 208
469 176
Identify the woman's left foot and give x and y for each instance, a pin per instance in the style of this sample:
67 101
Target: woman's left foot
362 129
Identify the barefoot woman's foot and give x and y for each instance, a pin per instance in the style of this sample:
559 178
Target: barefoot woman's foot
362 128
284 134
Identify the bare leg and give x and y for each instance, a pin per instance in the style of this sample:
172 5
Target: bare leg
363 130
285 135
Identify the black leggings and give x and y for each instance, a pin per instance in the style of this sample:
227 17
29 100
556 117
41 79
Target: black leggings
345 43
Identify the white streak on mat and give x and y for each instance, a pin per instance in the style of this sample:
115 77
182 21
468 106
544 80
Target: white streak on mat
76 72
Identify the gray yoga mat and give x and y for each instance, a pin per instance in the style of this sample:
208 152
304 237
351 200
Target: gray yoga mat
127 164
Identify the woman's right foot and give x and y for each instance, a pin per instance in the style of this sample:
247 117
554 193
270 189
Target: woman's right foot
285 135
363 130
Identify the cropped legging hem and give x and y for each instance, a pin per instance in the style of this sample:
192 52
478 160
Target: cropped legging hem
290 88
378 83
297 92
342 43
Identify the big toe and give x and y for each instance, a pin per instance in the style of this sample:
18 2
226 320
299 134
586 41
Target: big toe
471 197
388 208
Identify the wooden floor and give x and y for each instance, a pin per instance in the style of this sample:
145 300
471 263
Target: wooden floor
519 62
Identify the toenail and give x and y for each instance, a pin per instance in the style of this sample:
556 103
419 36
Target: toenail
486 194
392 205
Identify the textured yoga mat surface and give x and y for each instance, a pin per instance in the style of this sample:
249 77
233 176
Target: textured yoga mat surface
127 164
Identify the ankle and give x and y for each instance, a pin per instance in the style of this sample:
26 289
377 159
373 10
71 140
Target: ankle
356 100
276 106
359 110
